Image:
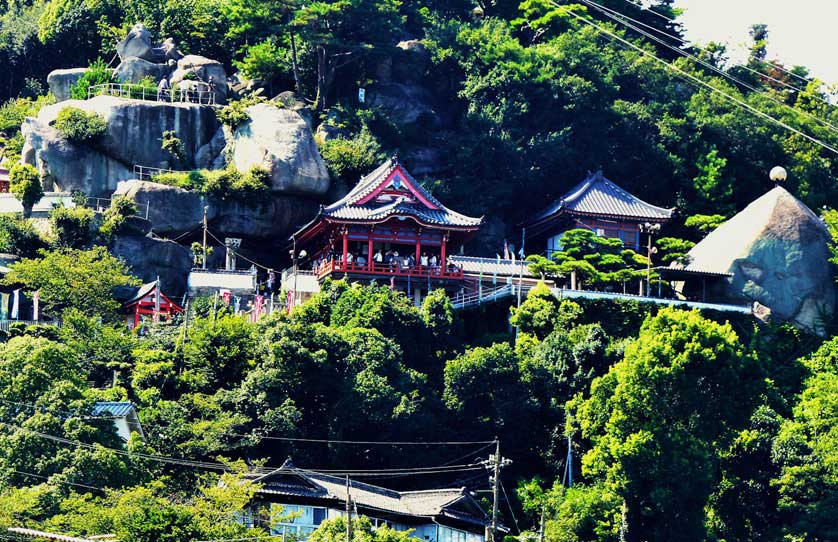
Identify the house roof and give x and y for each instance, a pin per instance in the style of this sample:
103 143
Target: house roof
115 409
391 191
491 266
290 481
598 196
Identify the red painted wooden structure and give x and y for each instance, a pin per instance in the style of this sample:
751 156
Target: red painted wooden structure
388 225
144 303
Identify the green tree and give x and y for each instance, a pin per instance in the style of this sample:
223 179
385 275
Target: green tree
344 31
72 227
334 530
72 278
657 418
25 184
18 236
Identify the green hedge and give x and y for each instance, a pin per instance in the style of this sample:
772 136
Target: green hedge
223 184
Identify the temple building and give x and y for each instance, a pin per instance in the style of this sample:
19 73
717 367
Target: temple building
388 228
595 204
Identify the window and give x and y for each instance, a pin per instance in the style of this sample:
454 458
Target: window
297 521
554 244
318 514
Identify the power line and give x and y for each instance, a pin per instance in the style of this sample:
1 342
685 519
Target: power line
238 254
710 87
617 16
49 410
750 55
374 442
50 479
509 505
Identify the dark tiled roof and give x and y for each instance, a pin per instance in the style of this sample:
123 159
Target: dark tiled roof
596 195
115 409
352 207
293 482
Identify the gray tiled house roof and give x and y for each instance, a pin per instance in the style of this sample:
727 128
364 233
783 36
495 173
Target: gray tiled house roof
289 481
598 196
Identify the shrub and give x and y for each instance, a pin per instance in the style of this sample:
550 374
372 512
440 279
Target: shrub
18 236
349 158
25 184
121 208
222 184
174 146
98 73
234 114
73 228
80 126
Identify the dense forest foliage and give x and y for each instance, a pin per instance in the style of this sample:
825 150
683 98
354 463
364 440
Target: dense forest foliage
683 426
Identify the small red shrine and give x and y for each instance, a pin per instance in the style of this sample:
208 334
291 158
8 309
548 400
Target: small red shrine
150 302
387 226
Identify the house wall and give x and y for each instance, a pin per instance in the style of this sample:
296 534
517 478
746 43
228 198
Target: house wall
306 518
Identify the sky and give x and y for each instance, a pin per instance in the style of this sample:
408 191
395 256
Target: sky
801 32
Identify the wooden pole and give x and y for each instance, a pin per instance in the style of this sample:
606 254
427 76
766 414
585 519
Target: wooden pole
348 512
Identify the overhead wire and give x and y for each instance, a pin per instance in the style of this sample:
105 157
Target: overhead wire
373 442
239 254
509 505
703 83
621 19
750 55
50 479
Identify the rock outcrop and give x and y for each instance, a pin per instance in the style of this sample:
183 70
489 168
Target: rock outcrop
61 82
137 44
135 128
776 250
280 140
272 219
202 70
151 258
134 69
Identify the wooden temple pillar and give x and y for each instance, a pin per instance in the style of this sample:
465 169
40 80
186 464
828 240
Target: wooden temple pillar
418 246
370 262
442 264
345 245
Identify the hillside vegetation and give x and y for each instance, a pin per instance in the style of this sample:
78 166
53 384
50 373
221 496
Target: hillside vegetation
682 425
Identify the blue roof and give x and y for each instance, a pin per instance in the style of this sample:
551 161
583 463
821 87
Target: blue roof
597 196
115 409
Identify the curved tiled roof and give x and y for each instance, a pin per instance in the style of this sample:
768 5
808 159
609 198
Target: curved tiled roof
294 482
357 206
596 195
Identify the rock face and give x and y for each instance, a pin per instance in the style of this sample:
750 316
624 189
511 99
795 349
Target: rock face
134 69
776 250
137 44
134 134
272 219
405 103
281 141
202 69
149 258
61 82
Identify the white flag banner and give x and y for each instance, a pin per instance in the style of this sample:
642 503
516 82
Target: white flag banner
15 304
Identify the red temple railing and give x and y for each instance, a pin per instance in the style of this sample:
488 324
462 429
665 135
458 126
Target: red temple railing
390 270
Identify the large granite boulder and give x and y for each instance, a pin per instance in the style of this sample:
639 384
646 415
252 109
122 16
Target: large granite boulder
137 44
151 258
134 69
135 128
61 82
281 141
273 218
777 252
202 69
66 166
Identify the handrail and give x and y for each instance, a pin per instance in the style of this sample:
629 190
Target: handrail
133 91
393 270
145 173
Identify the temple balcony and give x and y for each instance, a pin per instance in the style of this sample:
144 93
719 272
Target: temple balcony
331 267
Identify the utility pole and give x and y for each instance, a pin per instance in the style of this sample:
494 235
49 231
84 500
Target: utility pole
348 512
521 275
541 525
204 256
495 463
